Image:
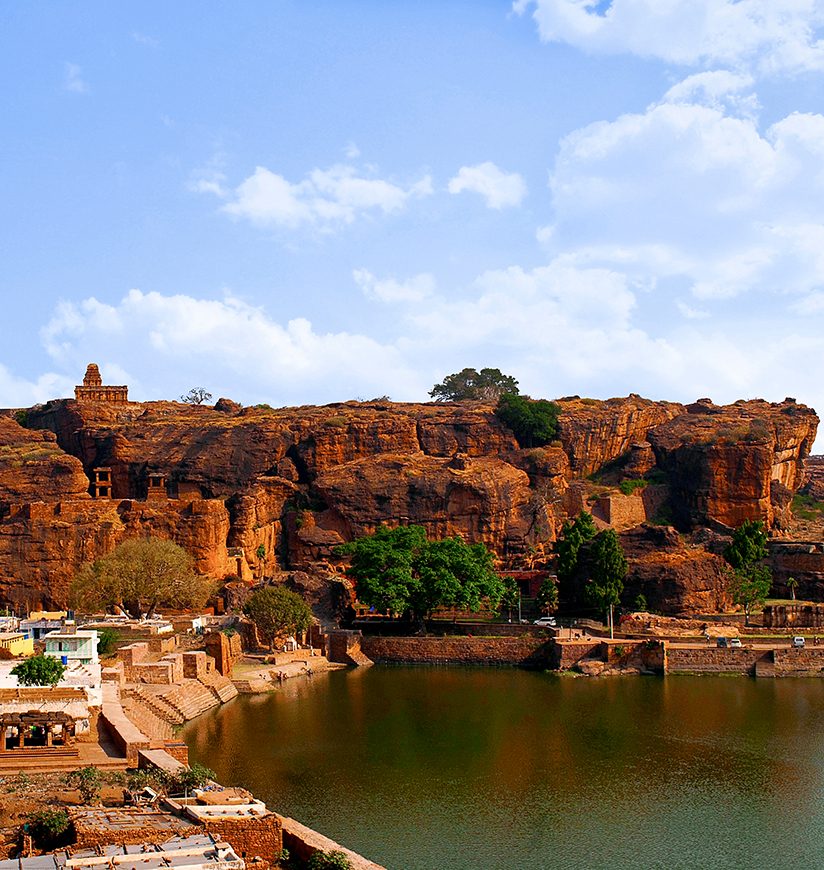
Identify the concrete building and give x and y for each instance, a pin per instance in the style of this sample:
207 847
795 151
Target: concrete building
17 643
41 622
77 645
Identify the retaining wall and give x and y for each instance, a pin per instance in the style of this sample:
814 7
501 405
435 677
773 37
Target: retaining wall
717 660
523 651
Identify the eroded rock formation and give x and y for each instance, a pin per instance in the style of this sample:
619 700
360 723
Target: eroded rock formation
256 491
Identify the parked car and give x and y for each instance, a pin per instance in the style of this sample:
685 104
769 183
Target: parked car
721 641
546 622
799 642
735 642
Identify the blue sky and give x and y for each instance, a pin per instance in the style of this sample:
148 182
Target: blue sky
294 203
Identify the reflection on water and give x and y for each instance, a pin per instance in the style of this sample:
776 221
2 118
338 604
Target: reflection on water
435 768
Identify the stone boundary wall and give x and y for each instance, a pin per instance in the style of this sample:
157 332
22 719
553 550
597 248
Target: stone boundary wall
567 654
523 651
793 616
304 842
716 660
807 662
125 735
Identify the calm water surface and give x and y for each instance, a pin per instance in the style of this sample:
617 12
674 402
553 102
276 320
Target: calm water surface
456 768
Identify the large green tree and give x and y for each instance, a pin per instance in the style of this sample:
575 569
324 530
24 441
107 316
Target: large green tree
534 422
547 598
401 571
568 546
277 611
608 569
39 670
139 576
752 579
486 385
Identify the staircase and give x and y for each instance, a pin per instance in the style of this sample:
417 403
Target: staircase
221 687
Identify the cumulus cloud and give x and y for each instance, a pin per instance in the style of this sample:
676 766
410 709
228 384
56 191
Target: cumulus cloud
165 344
500 189
325 198
771 35
73 79
687 189
413 289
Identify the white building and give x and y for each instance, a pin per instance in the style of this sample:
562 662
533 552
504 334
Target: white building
73 645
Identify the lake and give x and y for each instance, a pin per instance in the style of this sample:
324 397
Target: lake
462 768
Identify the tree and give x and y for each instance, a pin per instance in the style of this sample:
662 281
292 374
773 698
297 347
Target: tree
196 396
400 571
534 422
608 569
275 611
88 781
39 671
139 576
751 589
194 776
106 640
510 597
748 546
49 827
568 545
486 385
547 598
334 860
792 585
746 553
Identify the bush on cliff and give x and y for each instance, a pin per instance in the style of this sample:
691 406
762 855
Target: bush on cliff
139 576
400 571
534 422
277 611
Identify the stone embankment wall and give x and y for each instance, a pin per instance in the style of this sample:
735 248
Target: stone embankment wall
303 842
523 651
715 659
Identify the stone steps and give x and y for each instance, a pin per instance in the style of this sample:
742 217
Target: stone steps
221 687
190 698
158 705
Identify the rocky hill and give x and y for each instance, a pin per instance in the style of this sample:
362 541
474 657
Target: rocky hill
253 491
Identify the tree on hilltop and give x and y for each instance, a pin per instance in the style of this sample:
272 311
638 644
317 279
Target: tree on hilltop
196 396
402 572
486 385
139 576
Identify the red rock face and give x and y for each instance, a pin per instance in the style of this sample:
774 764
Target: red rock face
595 433
254 491
721 461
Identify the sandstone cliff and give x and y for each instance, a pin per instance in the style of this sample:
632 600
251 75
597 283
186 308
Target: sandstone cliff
253 491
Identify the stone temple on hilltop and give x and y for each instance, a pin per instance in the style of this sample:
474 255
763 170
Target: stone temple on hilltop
93 390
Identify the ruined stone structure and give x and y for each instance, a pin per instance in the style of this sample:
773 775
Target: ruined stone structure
93 390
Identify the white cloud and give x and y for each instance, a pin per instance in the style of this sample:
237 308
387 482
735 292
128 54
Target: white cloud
689 190
325 198
145 39
73 79
390 290
500 189
351 151
218 344
771 35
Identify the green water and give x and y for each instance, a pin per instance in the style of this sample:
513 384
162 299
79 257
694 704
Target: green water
456 768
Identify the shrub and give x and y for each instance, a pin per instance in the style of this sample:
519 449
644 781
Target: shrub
628 487
534 423
22 416
88 781
106 640
334 860
49 828
193 776
261 551
640 601
39 671
337 422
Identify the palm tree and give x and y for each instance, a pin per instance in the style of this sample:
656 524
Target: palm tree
792 584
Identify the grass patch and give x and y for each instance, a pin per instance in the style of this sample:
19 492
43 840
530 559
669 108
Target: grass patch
805 507
628 487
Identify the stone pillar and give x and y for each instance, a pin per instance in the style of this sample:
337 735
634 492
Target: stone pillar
49 734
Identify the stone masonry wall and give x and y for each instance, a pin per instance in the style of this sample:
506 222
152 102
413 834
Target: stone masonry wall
523 651
715 659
